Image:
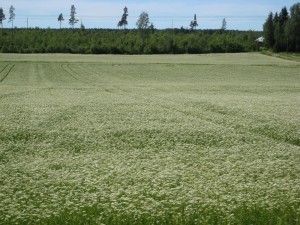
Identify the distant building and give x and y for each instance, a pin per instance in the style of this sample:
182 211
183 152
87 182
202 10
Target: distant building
260 39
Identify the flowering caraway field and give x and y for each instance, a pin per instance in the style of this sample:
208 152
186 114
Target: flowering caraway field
187 139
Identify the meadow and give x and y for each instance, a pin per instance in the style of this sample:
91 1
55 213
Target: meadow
168 139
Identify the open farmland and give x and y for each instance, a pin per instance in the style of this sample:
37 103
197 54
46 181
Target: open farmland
187 139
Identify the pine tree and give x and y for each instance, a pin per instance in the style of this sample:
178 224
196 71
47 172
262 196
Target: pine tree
123 22
194 23
82 27
279 27
283 16
278 38
2 17
293 28
60 19
276 18
72 19
224 24
11 16
269 31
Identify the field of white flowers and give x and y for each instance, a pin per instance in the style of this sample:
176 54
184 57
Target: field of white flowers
192 139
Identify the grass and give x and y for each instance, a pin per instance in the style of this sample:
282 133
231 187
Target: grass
284 55
290 56
187 139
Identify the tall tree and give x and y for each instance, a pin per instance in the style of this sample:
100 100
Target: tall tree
82 27
72 19
123 22
224 24
2 17
293 28
283 16
143 24
279 43
143 21
275 18
279 23
269 31
11 16
194 23
60 19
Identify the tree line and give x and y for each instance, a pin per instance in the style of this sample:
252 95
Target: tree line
130 41
145 39
282 30
281 33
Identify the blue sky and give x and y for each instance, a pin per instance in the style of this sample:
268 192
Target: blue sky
241 15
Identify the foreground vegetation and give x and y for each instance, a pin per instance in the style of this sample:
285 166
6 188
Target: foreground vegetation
99 41
187 139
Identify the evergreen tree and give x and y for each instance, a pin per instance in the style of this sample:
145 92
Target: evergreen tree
277 34
11 16
60 19
269 31
82 27
278 38
283 16
276 18
72 19
293 28
279 27
151 27
224 24
123 22
194 23
2 17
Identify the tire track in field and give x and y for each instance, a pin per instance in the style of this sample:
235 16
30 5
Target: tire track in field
80 75
66 71
112 89
42 78
4 68
239 130
85 69
7 73
66 68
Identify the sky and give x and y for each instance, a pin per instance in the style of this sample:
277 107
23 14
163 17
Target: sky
239 15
